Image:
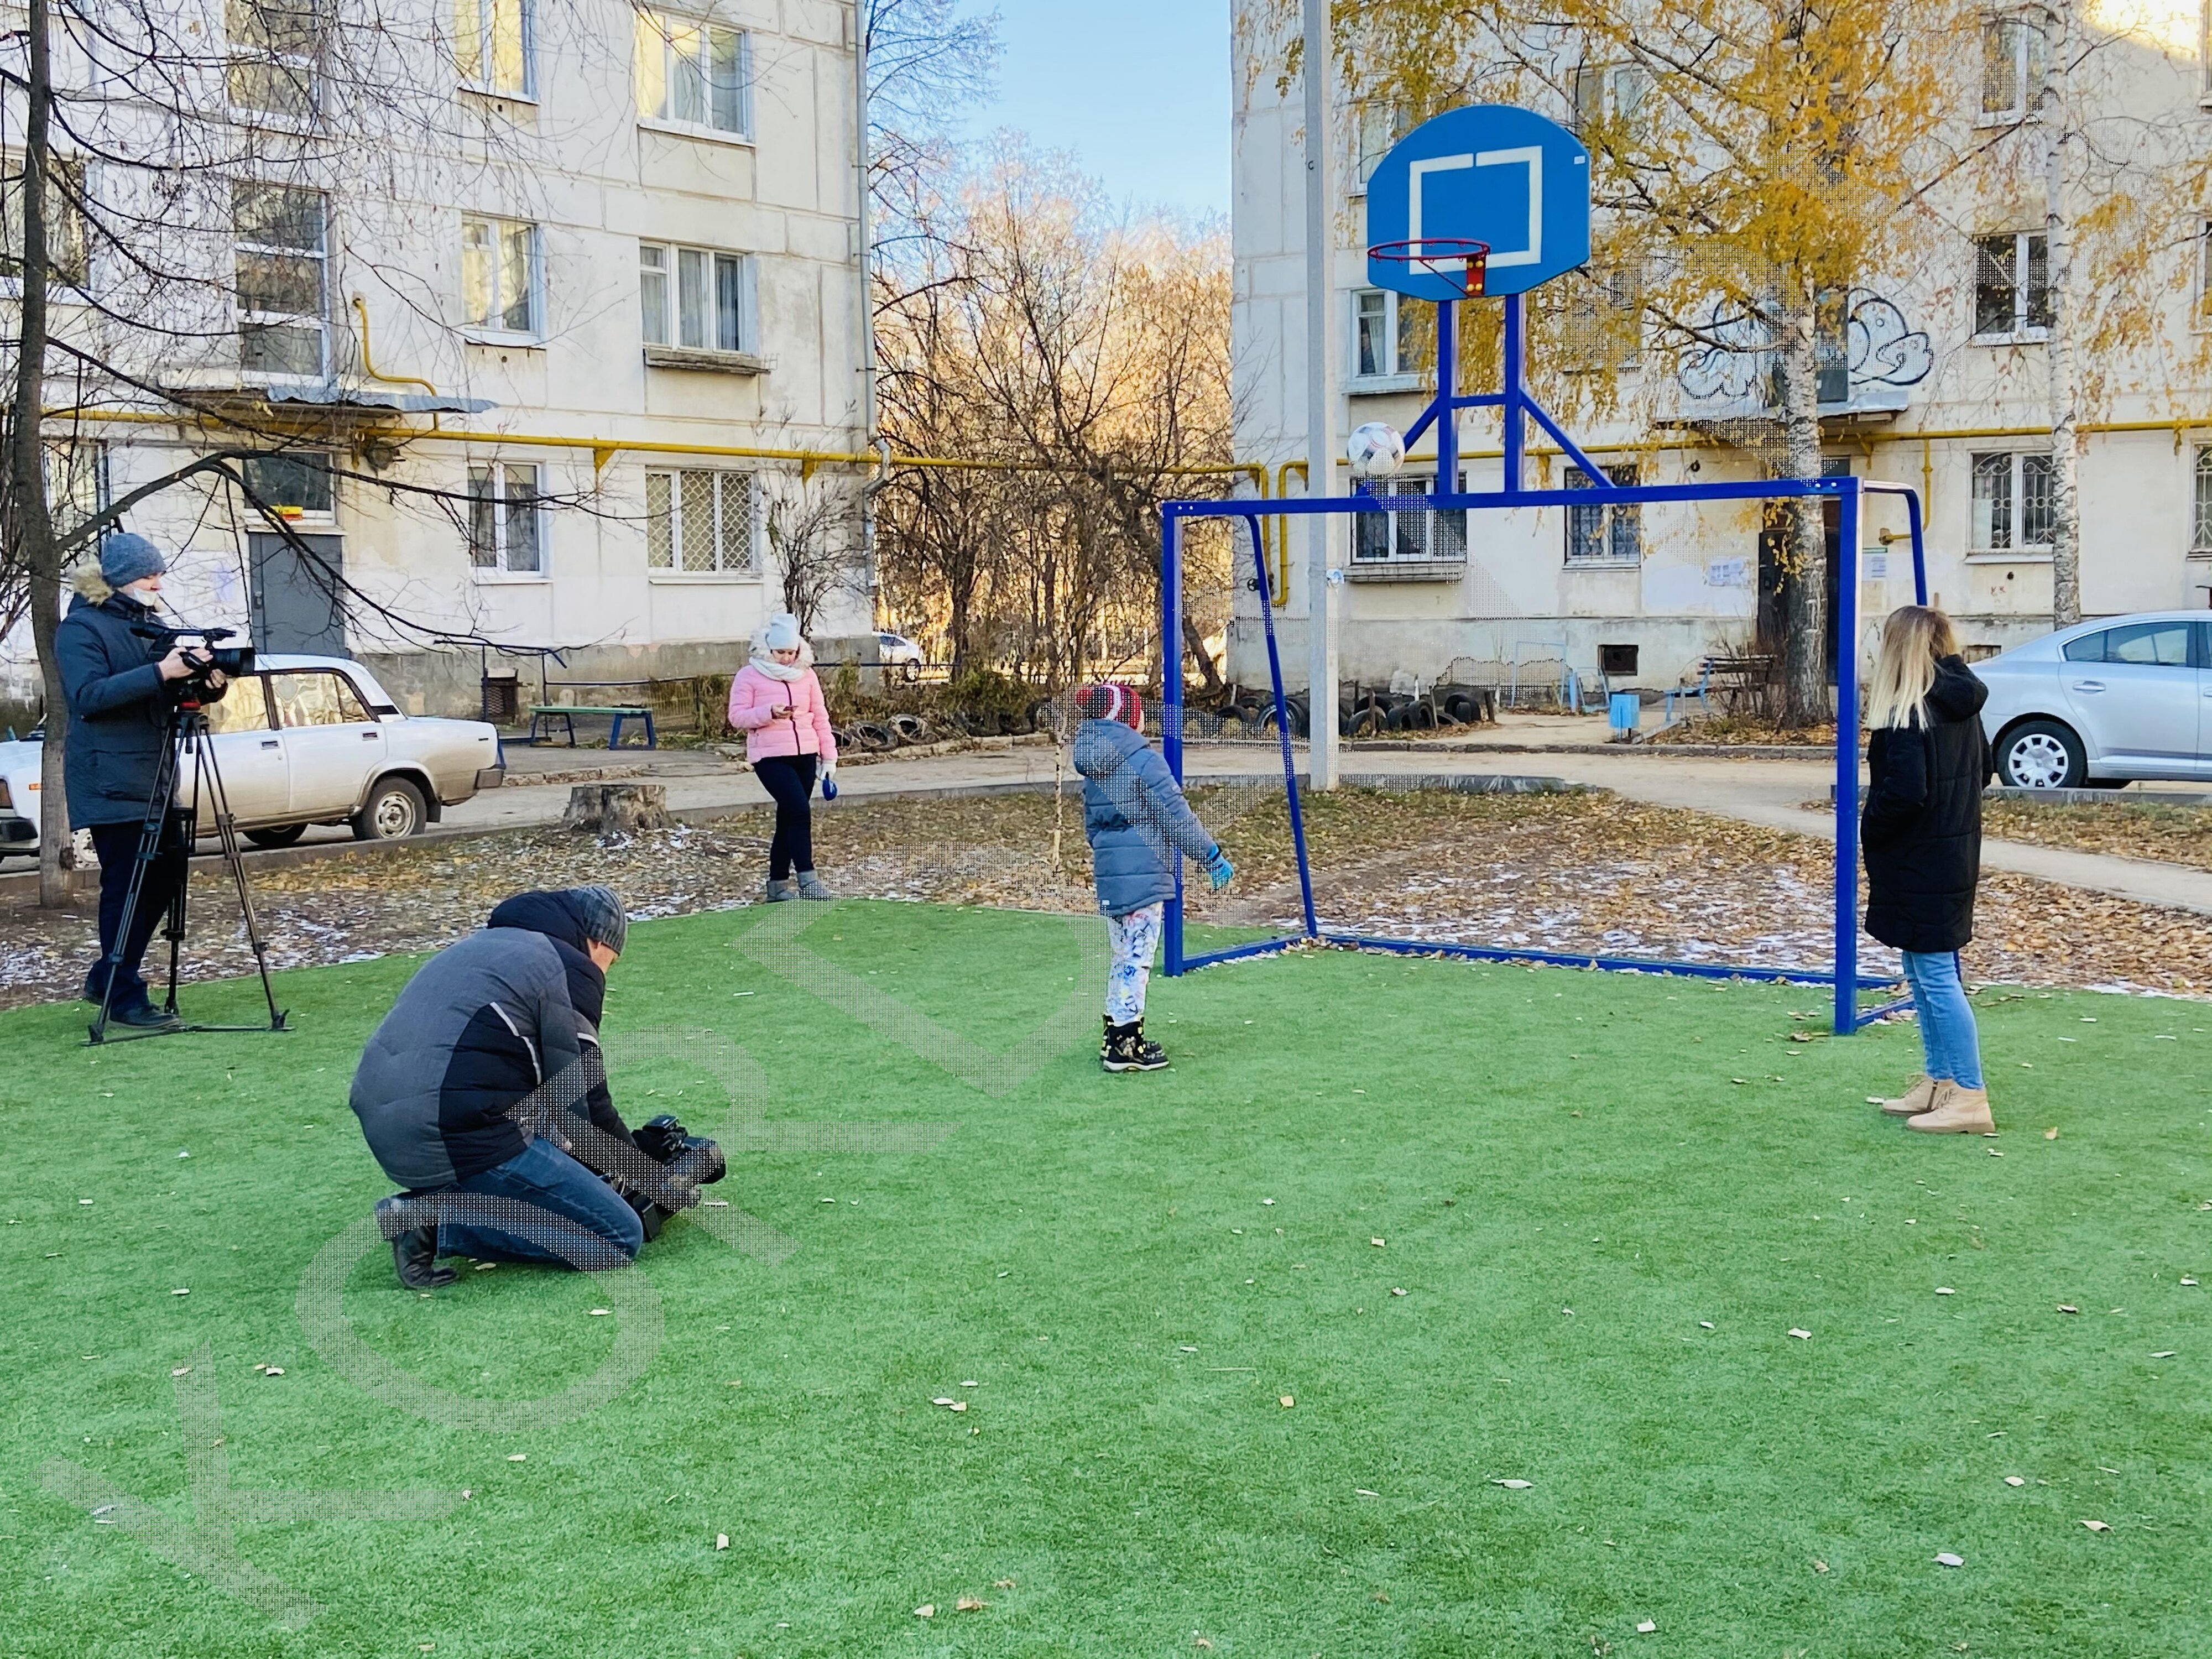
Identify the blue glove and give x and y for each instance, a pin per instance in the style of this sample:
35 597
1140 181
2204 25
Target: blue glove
1219 869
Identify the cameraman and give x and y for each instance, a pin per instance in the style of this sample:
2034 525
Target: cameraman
120 687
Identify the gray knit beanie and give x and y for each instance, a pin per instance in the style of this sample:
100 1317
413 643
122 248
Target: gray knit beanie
599 913
126 558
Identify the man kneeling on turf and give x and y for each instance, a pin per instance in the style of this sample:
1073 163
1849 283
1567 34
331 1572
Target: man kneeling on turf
483 1093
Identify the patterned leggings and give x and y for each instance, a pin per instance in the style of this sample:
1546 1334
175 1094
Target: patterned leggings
1132 940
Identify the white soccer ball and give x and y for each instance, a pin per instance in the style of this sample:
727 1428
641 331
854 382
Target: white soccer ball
1376 450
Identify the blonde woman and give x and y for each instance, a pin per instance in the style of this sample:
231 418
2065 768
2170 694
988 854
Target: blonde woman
1921 831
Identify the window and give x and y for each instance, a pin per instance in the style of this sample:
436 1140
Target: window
499 276
1610 534
1609 92
495 45
315 697
2012 286
282 308
2200 535
76 482
243 707
2012 69
67 243
275 45
1406 534
699 522
2149 645
504 512
2013 502
693 73
297 486
1384 338
1377 126
694 298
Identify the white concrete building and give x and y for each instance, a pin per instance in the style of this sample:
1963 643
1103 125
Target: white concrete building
1973 431
624 248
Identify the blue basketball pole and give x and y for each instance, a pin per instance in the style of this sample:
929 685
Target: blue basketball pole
1847 762
1446 479
1171 702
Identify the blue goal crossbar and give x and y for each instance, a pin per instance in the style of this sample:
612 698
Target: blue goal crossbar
1849 493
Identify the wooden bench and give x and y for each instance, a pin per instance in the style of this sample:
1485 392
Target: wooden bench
1729 676
543 716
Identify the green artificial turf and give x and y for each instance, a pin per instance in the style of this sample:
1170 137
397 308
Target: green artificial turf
1604 1239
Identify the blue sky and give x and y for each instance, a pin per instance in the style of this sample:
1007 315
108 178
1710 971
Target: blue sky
1137 89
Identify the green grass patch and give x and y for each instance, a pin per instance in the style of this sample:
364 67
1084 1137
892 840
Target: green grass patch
1603 1236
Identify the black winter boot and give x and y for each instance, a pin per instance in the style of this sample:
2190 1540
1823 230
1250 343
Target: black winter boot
1126 1049
414 1249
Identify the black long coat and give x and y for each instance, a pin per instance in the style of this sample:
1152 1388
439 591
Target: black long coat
118 704
1921 829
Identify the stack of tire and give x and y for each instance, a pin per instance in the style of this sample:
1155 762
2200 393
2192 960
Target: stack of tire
1374 714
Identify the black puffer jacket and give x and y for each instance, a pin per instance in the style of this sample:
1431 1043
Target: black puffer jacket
1922 826
118 704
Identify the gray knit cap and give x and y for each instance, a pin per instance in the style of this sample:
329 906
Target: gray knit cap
126 558
599 912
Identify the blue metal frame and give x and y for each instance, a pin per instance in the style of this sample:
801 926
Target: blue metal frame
1844 978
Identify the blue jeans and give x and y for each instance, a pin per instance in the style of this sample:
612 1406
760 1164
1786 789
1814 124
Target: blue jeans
592 1224
1946 1023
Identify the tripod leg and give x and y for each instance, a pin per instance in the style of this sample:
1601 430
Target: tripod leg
152 830
226 829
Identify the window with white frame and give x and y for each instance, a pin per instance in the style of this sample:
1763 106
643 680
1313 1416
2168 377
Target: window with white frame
282 255
2012 285
1609 93
1408 534
691 73
2200 532
506 518
2013 68
1385 338
496 46
1378 124
500 276
2014 502
694 298
67 242
77 481
275 47
700 521
1608 534
298 485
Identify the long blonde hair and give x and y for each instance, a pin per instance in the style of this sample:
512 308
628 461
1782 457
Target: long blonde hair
1912 640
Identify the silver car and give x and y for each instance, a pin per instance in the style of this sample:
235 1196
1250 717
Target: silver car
305 740
2101 703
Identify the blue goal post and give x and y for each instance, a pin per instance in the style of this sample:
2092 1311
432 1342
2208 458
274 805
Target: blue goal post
1841 975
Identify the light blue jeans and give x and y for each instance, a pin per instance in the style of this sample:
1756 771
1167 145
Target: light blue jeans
1947 1022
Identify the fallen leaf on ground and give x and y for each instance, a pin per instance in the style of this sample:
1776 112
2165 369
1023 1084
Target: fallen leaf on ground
1945 1289
2014 1480
1289 1401
1395 1291
1803 1336
926 1610
721 1541
2096 1525
2068 1307
1514 1486
2167 1353
2051 1134
970 1604
180 1370
1377 1242
516 1457
1945 1559
1362 1492
1819 1566
1002 1583
1644 1627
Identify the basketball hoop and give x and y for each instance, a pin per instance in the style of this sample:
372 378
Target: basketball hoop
1436 256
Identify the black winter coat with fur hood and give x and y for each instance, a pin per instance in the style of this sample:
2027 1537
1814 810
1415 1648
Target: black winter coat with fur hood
1921 829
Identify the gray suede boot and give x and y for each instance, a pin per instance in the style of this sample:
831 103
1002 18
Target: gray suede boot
780 891
812 886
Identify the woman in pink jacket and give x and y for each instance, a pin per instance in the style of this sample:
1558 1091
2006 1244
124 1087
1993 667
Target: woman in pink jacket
776 701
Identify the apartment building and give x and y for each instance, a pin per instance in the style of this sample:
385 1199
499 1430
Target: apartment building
1934 377
504 354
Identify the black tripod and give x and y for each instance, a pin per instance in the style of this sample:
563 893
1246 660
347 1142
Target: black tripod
166 824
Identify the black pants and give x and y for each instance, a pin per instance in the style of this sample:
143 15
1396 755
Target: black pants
118 847
790 779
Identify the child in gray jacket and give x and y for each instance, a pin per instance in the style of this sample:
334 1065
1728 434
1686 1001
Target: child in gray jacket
1135 820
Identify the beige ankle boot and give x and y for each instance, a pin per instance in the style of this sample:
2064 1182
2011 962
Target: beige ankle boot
1956 1112
1914 1100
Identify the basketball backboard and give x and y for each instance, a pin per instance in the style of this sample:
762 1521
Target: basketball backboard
1490 172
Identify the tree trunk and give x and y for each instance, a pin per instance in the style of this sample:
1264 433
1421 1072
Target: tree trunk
30 524
1804 554
2060 359
617 809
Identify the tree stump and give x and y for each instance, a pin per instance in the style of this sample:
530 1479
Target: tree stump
617 809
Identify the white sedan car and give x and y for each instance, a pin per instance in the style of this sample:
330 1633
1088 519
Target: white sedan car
2103 703
305 740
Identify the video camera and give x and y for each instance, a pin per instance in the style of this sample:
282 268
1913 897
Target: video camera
209 656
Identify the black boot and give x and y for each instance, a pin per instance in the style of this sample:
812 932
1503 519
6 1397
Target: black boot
414 1249
1126 1049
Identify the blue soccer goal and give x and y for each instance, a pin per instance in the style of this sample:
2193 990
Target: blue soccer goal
1447 271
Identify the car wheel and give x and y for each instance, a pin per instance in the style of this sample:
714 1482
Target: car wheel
2042 754
910 671
282 835
393 812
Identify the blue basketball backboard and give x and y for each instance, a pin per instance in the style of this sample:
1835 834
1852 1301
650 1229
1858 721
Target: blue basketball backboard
1491 174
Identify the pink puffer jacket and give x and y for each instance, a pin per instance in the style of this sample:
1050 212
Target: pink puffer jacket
804 731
